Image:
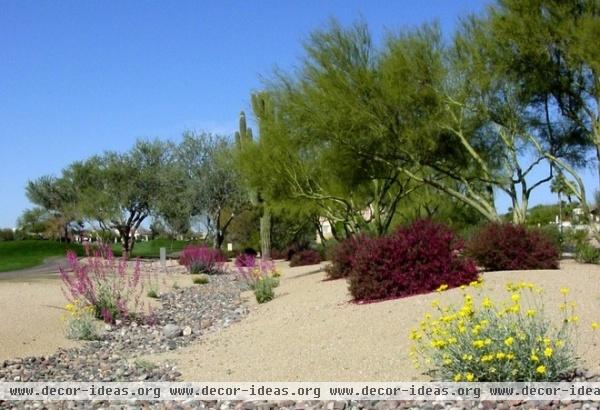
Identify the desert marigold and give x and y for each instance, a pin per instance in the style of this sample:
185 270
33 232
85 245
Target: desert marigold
478 344
564 291
541 369
594 325
509 341
487 303
469 377
548 352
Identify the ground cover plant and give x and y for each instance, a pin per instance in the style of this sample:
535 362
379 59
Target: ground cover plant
504 246
305 257
24 254
415 259
510 340
201 279
104 284
202 259
586 253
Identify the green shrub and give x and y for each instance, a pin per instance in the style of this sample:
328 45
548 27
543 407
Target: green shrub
7 235
263 289
553 234
586 253
489 342
152 293
201 279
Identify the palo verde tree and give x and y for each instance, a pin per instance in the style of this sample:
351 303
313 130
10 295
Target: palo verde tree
444 115
550 46
303 149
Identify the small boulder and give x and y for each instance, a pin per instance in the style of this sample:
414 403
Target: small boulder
170 331
187 331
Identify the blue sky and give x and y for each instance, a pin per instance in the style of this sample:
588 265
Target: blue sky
81 77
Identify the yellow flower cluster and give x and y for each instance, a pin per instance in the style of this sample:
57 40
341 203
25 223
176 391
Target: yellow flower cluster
77 309
494 341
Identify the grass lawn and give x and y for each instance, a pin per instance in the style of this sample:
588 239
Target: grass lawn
151 249
15 255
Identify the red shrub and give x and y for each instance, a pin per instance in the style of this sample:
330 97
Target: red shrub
278 254
504 246
415 259
305 257
342 257
202 259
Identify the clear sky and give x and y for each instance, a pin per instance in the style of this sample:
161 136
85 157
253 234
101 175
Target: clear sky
81 77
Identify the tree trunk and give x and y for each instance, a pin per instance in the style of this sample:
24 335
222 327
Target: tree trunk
265 233
126 242
218 239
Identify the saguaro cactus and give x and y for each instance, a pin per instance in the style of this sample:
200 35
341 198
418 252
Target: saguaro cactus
244 136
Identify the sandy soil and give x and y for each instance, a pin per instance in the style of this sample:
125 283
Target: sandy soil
31 310
310 331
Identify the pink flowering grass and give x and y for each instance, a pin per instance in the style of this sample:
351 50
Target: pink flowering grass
104 283
253 270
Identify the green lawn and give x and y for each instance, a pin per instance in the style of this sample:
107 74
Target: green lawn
15 255
151 249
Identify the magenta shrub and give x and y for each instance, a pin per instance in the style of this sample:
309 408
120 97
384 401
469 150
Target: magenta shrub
202 259
415 259
305 257
342 257
504 246
245 260
104 284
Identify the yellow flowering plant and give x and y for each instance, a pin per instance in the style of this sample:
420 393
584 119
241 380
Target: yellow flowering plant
80 320
509 340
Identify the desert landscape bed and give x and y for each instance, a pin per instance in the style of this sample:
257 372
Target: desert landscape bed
310 331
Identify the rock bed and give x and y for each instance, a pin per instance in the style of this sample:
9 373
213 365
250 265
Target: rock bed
184 316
